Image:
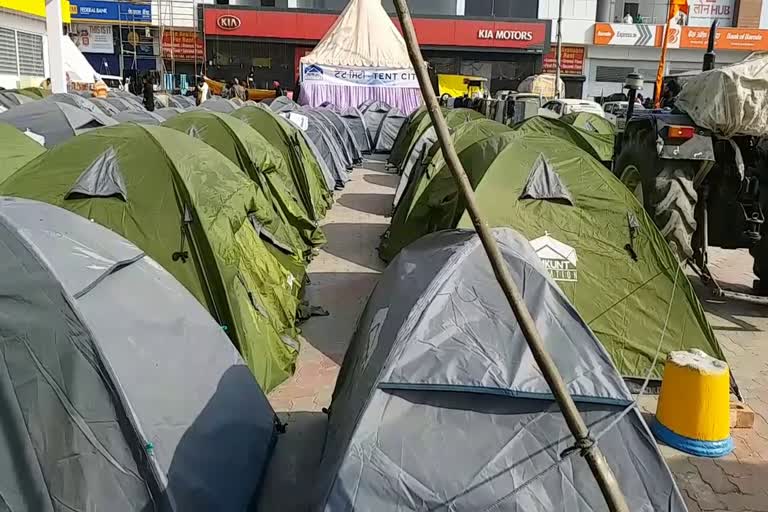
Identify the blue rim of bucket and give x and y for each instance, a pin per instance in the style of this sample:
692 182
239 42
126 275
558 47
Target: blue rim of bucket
693 446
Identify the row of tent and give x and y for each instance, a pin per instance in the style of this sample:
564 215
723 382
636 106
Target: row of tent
600 246
437 359
144 262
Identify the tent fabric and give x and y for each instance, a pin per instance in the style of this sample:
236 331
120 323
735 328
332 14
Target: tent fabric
94 328
187 207
57 122
416 123
105 107
417 182
363 36
76 66
355 122
101 179
139 116
417 153
74 100
306 172
9 99
321 133
123 103
590 122
348 140
283 103
544 183
624 279
437 360
387 131
16 150
279 209
599 145
217 104
169 112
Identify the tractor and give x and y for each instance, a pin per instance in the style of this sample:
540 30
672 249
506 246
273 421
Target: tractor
700 188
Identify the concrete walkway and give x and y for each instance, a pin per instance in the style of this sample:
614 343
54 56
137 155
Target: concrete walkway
346 271
342 277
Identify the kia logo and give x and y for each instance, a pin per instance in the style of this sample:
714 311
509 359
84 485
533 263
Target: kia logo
228 22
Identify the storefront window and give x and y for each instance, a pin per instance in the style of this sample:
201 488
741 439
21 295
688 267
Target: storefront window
502 8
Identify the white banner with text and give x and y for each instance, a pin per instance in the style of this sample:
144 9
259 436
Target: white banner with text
365 77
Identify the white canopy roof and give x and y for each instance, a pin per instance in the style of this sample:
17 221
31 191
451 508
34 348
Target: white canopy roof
363 36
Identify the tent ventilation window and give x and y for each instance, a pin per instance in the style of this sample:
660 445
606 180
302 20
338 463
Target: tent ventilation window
182 254
194 132
101 179
544 183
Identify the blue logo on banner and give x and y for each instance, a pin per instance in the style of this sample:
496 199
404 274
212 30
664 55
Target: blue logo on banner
98 10
313 72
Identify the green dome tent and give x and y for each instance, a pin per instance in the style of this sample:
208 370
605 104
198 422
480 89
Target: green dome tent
599 145
16 149
306 176
592 234
190 209
399 234
590 122
416 123
249 150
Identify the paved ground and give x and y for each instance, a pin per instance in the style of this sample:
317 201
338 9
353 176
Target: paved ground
344 274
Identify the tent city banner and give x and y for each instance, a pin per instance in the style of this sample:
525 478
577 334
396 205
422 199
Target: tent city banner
364 77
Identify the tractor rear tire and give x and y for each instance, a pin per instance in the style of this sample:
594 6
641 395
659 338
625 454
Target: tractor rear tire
760 266
667 195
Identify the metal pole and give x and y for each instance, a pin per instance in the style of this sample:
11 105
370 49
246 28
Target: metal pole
53 23
597 463
559 48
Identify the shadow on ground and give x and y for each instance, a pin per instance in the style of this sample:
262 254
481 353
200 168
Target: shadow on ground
734 313
376 204
331 334
356 243
289 484
383 180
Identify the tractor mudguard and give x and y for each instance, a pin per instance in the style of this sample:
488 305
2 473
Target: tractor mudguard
651 128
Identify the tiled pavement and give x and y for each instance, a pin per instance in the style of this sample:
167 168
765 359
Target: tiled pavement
345 272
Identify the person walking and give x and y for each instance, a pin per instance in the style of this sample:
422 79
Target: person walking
149 94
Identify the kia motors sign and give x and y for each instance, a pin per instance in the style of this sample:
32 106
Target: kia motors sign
531 36
228 22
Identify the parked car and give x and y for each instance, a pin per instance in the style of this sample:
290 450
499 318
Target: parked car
561 107
616 112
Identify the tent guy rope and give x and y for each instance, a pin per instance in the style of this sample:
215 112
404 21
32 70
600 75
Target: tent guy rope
584 441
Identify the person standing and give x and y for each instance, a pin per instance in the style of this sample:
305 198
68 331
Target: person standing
204 92
278 90
239 90
149 94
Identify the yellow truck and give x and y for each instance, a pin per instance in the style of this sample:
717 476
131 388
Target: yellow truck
459 85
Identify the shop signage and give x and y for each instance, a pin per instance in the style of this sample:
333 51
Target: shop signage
625 35
744 39
111 12
338 75
524 35
94 38
35 7
571 61
228 22
701 13
183 46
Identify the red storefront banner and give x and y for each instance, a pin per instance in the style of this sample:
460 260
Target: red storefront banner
183 46
302 26
571 61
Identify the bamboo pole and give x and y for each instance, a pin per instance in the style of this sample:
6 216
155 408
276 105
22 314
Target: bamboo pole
595 459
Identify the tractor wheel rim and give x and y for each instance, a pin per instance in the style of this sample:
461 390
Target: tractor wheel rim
630 177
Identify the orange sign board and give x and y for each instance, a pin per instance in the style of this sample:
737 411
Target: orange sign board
621 34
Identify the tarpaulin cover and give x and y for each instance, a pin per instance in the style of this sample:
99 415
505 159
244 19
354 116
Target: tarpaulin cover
279 208
440 405
118 391
730 100
623 276
309 175
57 122
187 207
16 149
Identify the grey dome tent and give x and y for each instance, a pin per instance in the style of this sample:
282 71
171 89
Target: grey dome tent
75 100
105 107
325 148
169 112
440 406
124 103
383 123
184 101
283 104
217 104
118 390
348 140
56 122
335 138
355 121
9 100
139 116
